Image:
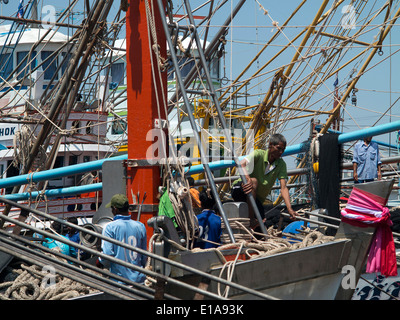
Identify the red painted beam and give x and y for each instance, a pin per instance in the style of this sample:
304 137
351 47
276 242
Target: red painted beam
144 93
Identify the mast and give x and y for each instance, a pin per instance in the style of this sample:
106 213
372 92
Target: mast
65 94
145 92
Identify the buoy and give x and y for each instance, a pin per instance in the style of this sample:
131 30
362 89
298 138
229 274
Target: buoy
316 167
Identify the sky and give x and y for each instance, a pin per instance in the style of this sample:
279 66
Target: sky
378 88
256 23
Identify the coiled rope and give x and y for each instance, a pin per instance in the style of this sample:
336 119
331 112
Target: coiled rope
31 283
273 245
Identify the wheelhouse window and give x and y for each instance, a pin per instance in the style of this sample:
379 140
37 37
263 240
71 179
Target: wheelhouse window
76 125
50 65
59 162
186 64
89 127
27 59
117 73
215 69
73 160
119 126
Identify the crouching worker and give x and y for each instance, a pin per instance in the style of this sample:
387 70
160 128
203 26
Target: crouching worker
57 245
209 223
128 231
267 166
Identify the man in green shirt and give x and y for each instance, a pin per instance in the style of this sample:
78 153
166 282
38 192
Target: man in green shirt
262 168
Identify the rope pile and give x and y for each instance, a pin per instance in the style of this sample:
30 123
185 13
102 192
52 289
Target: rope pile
31 283
274 244
313 238
268 247
239 228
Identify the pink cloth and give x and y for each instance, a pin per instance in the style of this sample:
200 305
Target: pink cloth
362 210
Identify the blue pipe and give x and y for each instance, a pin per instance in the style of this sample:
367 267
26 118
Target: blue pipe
318 127
223 164
57 173
299 148
54 193
97 165
369 132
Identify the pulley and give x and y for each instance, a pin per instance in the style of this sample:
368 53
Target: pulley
354 97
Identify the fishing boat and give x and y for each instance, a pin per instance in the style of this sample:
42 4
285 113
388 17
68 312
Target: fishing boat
34 60
175 269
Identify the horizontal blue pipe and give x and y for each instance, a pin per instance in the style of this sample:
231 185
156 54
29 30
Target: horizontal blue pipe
55 193
97 165
318 127
299 148
369 132
57 173
223 164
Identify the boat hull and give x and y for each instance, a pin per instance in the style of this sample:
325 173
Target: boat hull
314 272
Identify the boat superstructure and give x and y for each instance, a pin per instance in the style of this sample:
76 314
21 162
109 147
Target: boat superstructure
35 62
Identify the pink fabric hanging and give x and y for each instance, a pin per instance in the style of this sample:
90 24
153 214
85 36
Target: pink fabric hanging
366 210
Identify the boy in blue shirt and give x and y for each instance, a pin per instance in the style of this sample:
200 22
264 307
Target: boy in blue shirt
209 223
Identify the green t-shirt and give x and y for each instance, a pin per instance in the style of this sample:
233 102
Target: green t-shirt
266 174
165 208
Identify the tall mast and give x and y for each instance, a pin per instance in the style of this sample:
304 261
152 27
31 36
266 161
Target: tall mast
145 93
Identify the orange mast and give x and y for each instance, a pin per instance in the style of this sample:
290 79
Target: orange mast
144 92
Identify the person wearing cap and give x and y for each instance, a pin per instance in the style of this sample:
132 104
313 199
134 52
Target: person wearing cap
128 231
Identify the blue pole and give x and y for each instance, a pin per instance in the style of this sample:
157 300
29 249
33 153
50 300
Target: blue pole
369 132
57 173
54 193
97 165
298 148
378 142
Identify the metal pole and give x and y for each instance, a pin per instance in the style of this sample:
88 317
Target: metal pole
312 221
212 46
192 121
222 121
124 245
